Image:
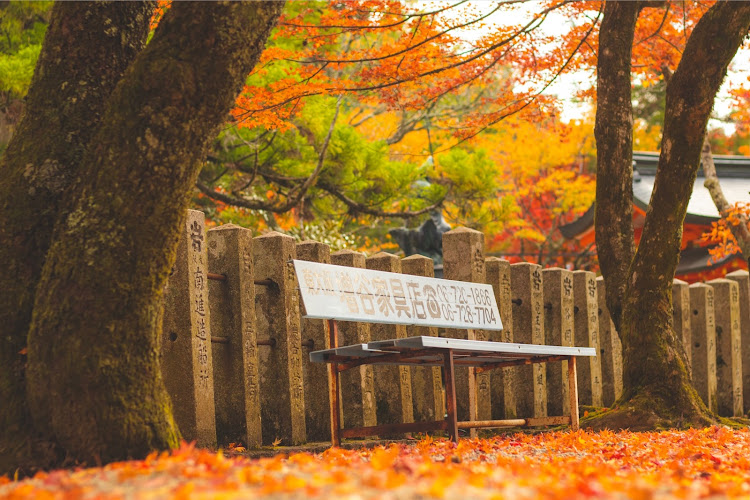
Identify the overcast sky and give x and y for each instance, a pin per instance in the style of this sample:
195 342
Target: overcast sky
566 86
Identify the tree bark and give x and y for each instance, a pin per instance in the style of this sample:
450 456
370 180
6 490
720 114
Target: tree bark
739 231
94 382
657 389
87 48
613 131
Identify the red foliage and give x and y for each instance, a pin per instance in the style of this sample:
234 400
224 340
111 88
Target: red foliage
689 464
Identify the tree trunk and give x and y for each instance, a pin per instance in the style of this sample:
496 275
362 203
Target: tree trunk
87 48
93 382
614 145
657 389
740 231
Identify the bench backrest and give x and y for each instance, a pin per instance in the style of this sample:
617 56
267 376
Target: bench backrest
353 294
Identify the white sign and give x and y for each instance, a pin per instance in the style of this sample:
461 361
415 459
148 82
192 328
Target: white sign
352 294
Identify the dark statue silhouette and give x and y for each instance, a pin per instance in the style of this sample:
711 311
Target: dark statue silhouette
425 240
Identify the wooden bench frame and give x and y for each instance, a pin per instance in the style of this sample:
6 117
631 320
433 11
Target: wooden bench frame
481 355
473 307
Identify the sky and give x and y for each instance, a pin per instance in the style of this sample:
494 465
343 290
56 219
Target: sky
566 86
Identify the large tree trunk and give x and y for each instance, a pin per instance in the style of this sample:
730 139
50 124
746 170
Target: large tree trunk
614 145
93 380
87 48
656 383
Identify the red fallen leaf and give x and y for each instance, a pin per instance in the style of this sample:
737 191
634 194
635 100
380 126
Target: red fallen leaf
406 465
23 351
716 460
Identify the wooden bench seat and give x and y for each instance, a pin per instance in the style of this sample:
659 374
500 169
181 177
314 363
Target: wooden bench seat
337 293
448 352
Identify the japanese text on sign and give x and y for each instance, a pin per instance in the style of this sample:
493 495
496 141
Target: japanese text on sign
353 294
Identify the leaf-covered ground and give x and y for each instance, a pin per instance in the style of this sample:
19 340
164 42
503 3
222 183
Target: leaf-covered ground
710 462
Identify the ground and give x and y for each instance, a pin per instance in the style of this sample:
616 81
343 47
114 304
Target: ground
699 463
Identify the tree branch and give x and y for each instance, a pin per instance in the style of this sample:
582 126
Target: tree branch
739 231
355 207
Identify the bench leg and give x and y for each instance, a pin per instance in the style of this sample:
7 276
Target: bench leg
450 395
573 392
333 386
473 400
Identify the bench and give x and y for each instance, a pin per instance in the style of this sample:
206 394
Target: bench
338 293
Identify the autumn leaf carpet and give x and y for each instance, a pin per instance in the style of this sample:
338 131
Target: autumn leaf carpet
701 463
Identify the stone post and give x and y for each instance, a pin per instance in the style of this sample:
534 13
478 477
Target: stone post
610 349
681 317
235 353
314 334
277 310
357 384
558 330
186 360
427 382
502 380
728 349
704 343
393 401
586 319
743 282
463 260
528 328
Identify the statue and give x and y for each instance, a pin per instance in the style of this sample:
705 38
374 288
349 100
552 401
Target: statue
426 240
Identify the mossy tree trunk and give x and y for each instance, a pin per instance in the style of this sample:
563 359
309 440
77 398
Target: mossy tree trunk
93 384
86 50
613 130
656 384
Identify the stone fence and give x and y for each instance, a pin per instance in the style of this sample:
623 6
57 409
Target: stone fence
235 349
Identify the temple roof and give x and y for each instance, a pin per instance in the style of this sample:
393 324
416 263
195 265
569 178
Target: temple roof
695 260
733 173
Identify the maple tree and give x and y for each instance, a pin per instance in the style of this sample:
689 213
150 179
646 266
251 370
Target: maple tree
656 385
650 103
273 121
548 187
734 221
94 189
740 116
